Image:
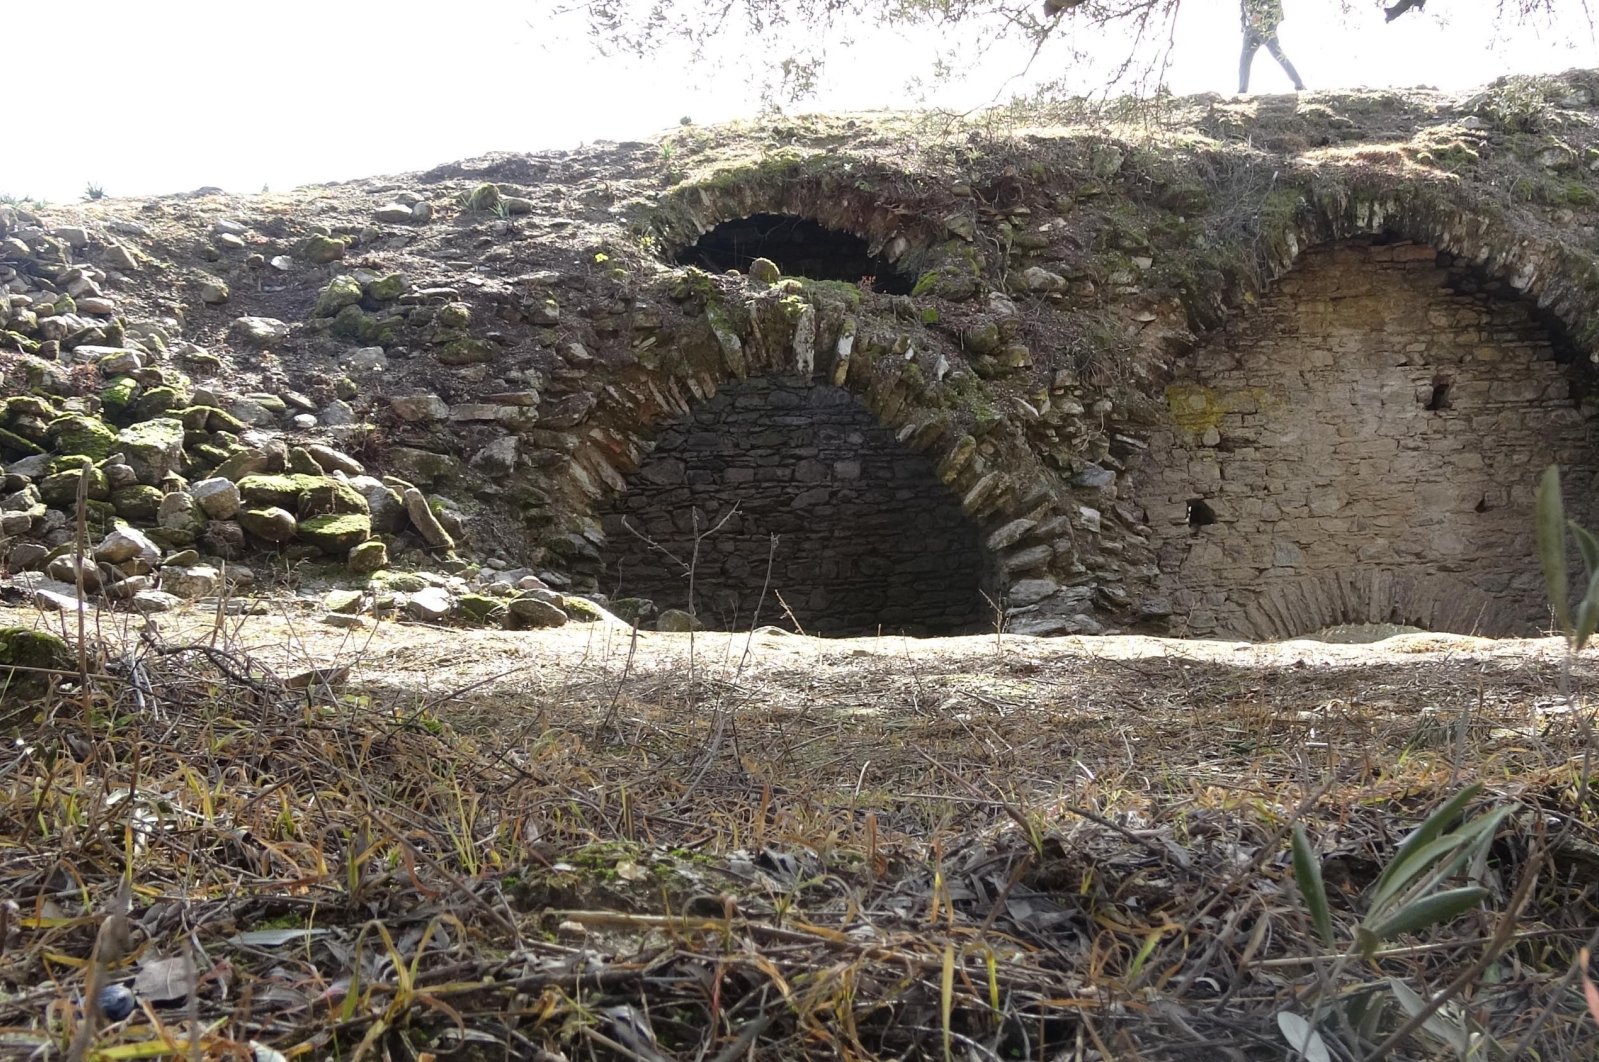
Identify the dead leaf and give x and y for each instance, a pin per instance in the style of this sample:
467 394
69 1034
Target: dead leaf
164 980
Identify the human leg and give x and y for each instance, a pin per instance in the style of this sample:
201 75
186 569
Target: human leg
1277 53
1251 46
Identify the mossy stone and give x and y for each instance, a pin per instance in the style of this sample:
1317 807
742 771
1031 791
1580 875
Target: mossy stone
479 608
372 330
99 518
78 434
21 342
219 420
138 504
209 455
386 288
306 495
300 462
153 447
399 582
581 610
320 250
28 406
455 315
345 602
157 400
118 395
983 338
484 197
60 491
336 533
13 444
465 352
370 556
343 290
35 653
631 609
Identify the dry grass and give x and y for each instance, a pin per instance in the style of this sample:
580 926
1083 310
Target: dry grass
492 845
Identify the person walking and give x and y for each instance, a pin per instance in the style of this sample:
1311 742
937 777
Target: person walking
1261 19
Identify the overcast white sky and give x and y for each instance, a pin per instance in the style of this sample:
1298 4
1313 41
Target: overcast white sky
175 94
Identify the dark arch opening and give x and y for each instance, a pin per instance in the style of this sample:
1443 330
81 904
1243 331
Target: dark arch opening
800 246
867 537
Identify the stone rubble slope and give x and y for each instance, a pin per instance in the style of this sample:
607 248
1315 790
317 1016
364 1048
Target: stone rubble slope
414 392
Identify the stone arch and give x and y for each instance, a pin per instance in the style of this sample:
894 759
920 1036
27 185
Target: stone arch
1561 282
1026 519
1371 410
1290 608
849 202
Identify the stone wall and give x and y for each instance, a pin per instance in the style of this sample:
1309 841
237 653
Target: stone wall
1363 448
868 537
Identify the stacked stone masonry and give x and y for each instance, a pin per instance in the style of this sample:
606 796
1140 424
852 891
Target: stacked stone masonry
1364 449
868 538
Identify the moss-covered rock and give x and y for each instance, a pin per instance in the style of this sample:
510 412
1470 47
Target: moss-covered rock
424 467
370 329
153 447
581 610
13 445
386 288
479 608
370 556
75 433
343 290
246 462
320 250
212 419
454 315
336 533
344 602
484 197
398 582
27 659
302 494
118 395
465 351
137 504
157 400
60 490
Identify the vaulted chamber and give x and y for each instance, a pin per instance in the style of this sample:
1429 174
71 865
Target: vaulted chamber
1363 448
787 495
800 247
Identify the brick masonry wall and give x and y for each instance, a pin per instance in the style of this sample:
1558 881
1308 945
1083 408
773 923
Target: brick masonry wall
1363 447
868 536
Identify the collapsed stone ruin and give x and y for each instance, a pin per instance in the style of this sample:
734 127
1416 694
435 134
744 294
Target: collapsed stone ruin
1295 365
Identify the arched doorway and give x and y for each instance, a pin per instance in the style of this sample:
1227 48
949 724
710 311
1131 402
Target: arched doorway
787 495
1379 412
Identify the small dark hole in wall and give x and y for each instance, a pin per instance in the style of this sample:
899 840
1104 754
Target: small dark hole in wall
800 246
1483 506
1199 513
1440 397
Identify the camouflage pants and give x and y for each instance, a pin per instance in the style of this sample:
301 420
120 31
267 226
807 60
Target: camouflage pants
1253 39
